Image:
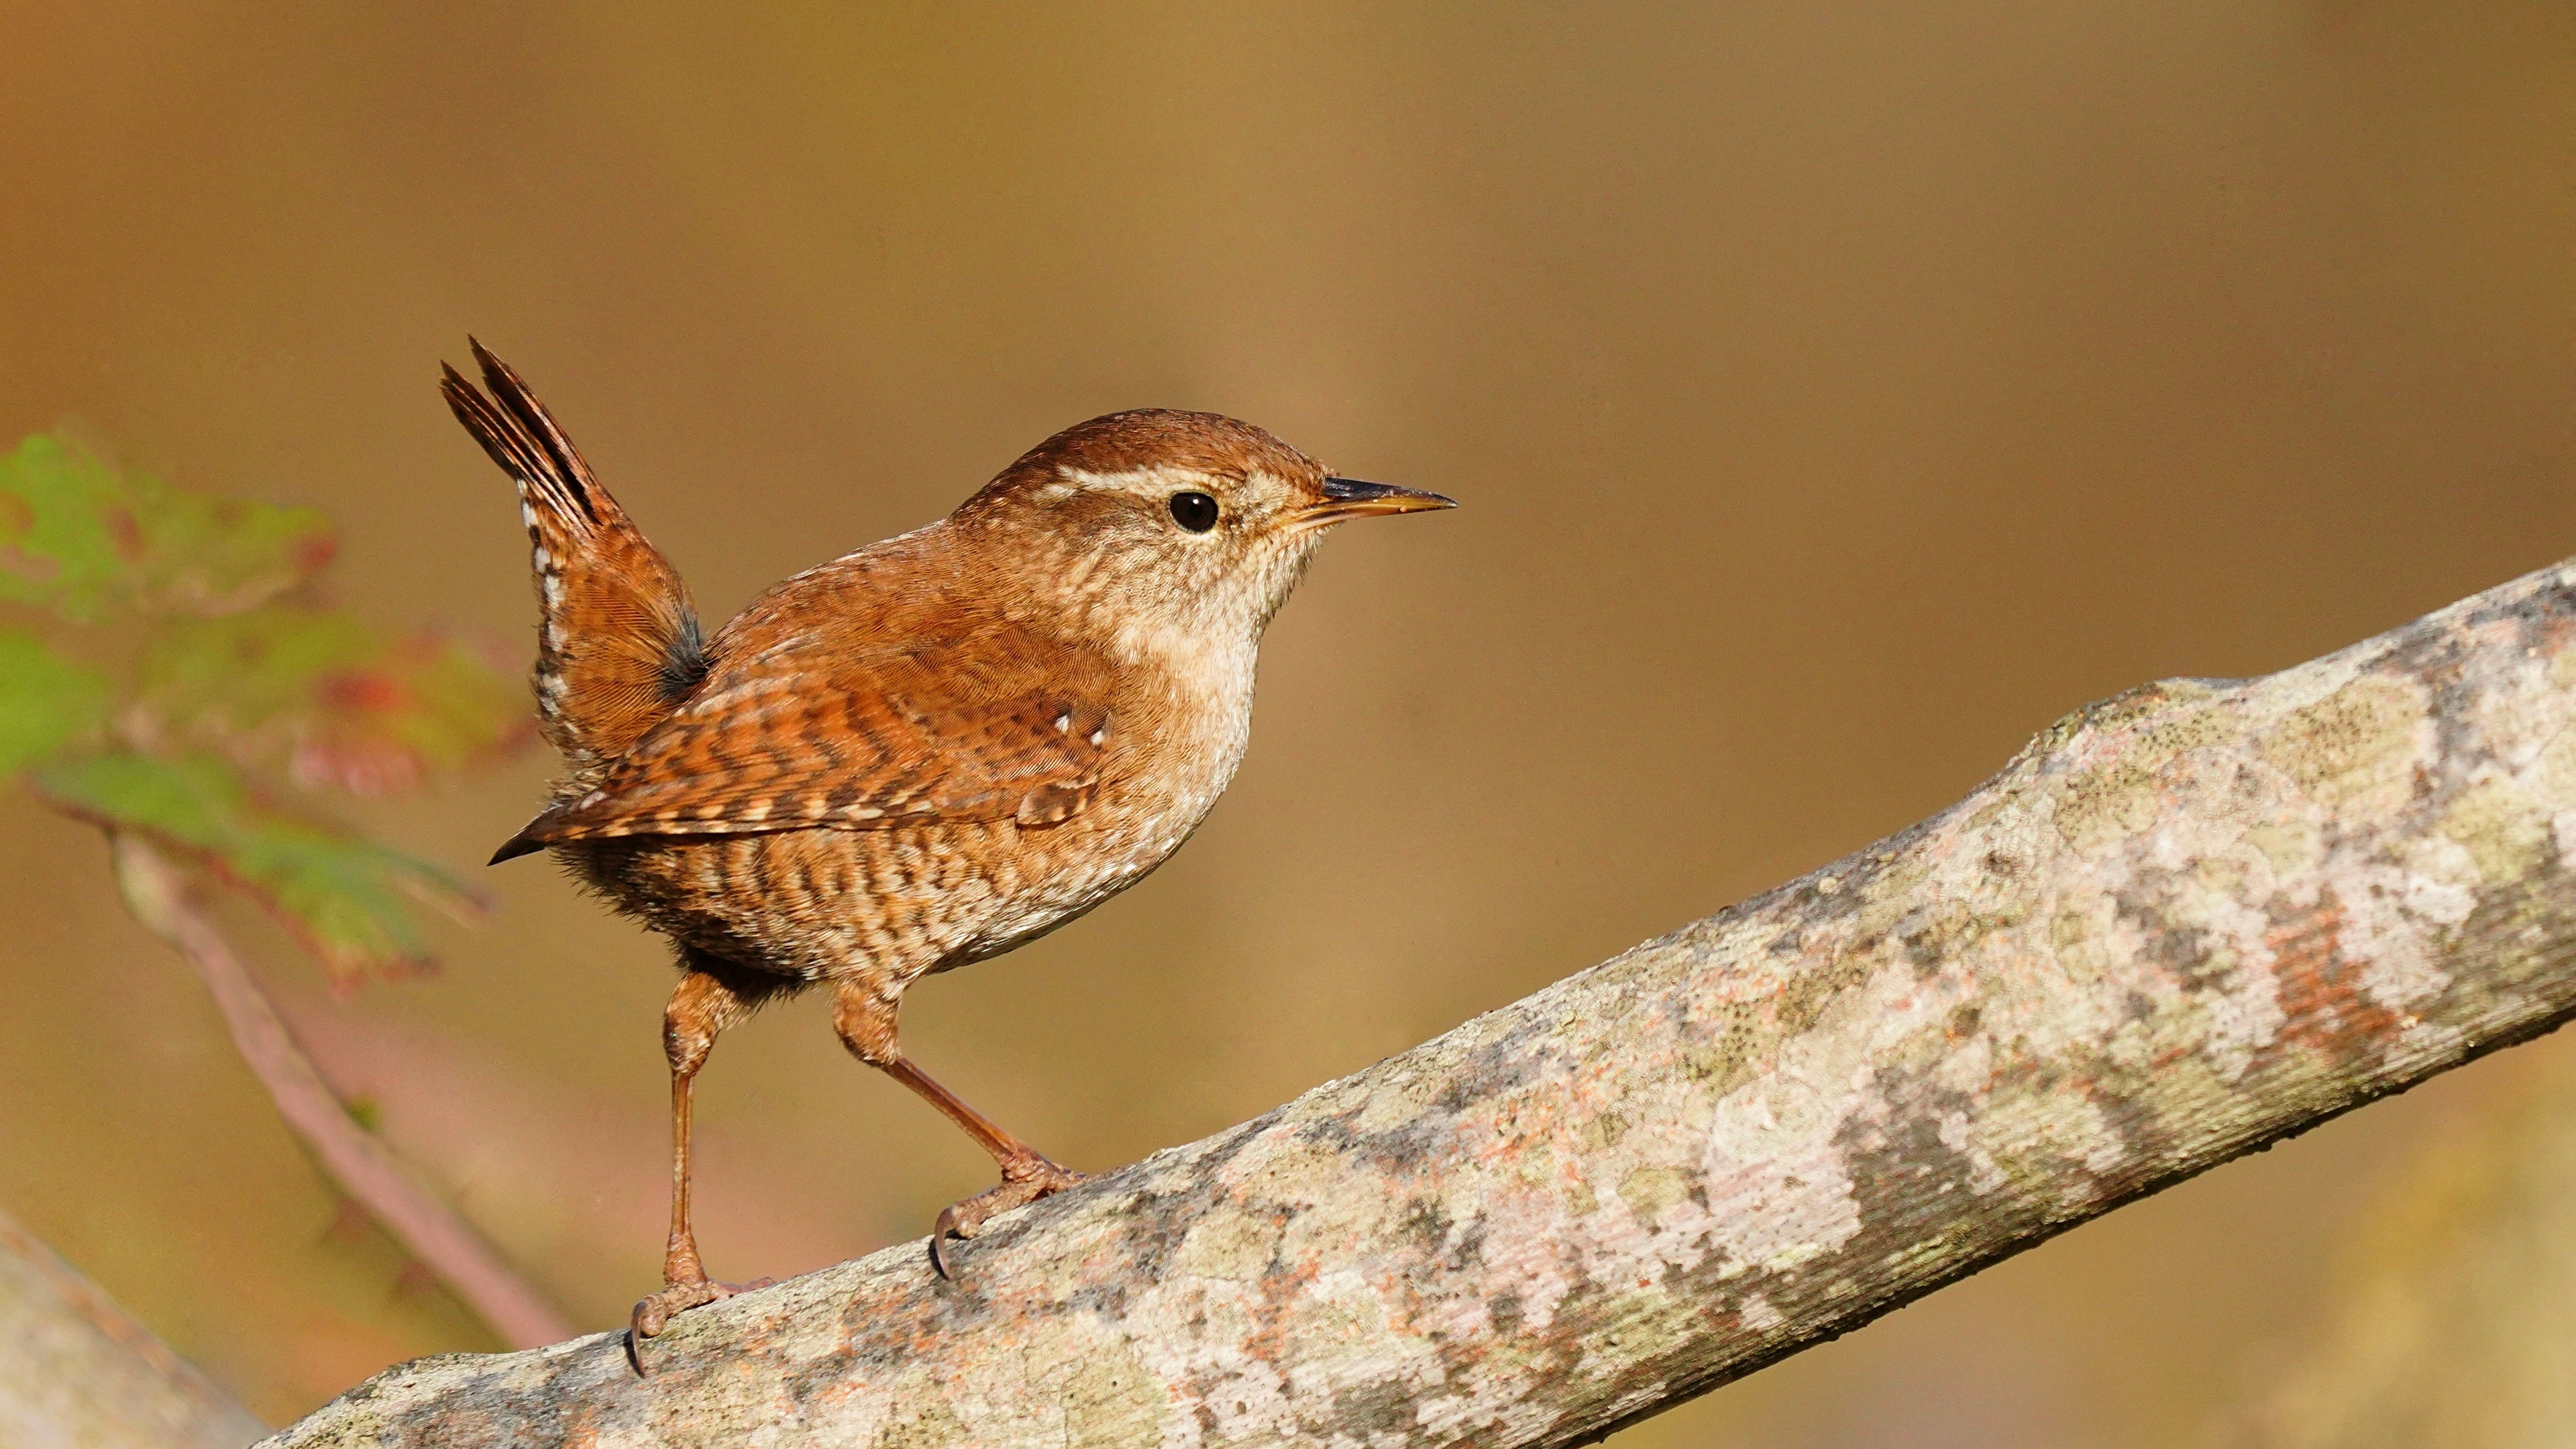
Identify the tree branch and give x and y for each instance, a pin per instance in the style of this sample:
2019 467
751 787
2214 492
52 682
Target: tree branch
78 1371
355 1159
2184 924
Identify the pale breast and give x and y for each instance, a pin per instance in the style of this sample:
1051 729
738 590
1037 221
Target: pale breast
1156 790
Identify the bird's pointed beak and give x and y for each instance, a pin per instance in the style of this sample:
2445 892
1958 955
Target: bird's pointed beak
1353 498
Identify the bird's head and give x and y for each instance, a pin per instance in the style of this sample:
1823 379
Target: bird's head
1173 521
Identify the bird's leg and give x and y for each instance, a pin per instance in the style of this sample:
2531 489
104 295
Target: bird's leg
703 1006
865 1017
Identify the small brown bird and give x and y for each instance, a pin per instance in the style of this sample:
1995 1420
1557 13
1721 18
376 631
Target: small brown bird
917 755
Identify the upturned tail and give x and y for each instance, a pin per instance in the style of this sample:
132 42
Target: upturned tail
618 643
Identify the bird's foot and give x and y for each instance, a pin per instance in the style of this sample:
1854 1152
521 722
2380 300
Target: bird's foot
1024 1181
655 1311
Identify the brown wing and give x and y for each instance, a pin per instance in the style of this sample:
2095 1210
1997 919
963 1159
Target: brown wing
999 725
617 640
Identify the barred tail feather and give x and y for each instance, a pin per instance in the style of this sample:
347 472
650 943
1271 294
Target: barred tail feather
618 642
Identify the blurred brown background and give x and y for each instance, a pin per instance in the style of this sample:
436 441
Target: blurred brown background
1837 395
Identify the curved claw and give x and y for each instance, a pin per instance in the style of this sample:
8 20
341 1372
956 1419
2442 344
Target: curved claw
939 1231
654 1312
1022 1184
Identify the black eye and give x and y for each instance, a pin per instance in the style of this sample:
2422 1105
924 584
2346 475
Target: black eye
1194 511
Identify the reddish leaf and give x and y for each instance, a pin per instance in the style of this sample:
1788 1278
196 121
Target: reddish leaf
337 703
85 539
347 899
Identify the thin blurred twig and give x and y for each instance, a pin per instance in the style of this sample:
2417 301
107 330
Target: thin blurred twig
2184 924
360 1163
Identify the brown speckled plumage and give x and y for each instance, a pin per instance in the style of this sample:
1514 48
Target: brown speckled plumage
917 755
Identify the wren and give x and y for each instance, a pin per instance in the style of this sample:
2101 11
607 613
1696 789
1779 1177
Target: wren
912 757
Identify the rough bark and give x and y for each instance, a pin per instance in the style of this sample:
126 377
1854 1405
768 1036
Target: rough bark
2183 924
77 1371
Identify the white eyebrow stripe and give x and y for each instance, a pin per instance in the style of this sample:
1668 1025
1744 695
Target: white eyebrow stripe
1132 480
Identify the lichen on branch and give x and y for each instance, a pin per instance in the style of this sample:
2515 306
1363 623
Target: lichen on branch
2184 924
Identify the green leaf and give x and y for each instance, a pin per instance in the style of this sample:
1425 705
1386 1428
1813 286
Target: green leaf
347 899
82 538
46 701
339 703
